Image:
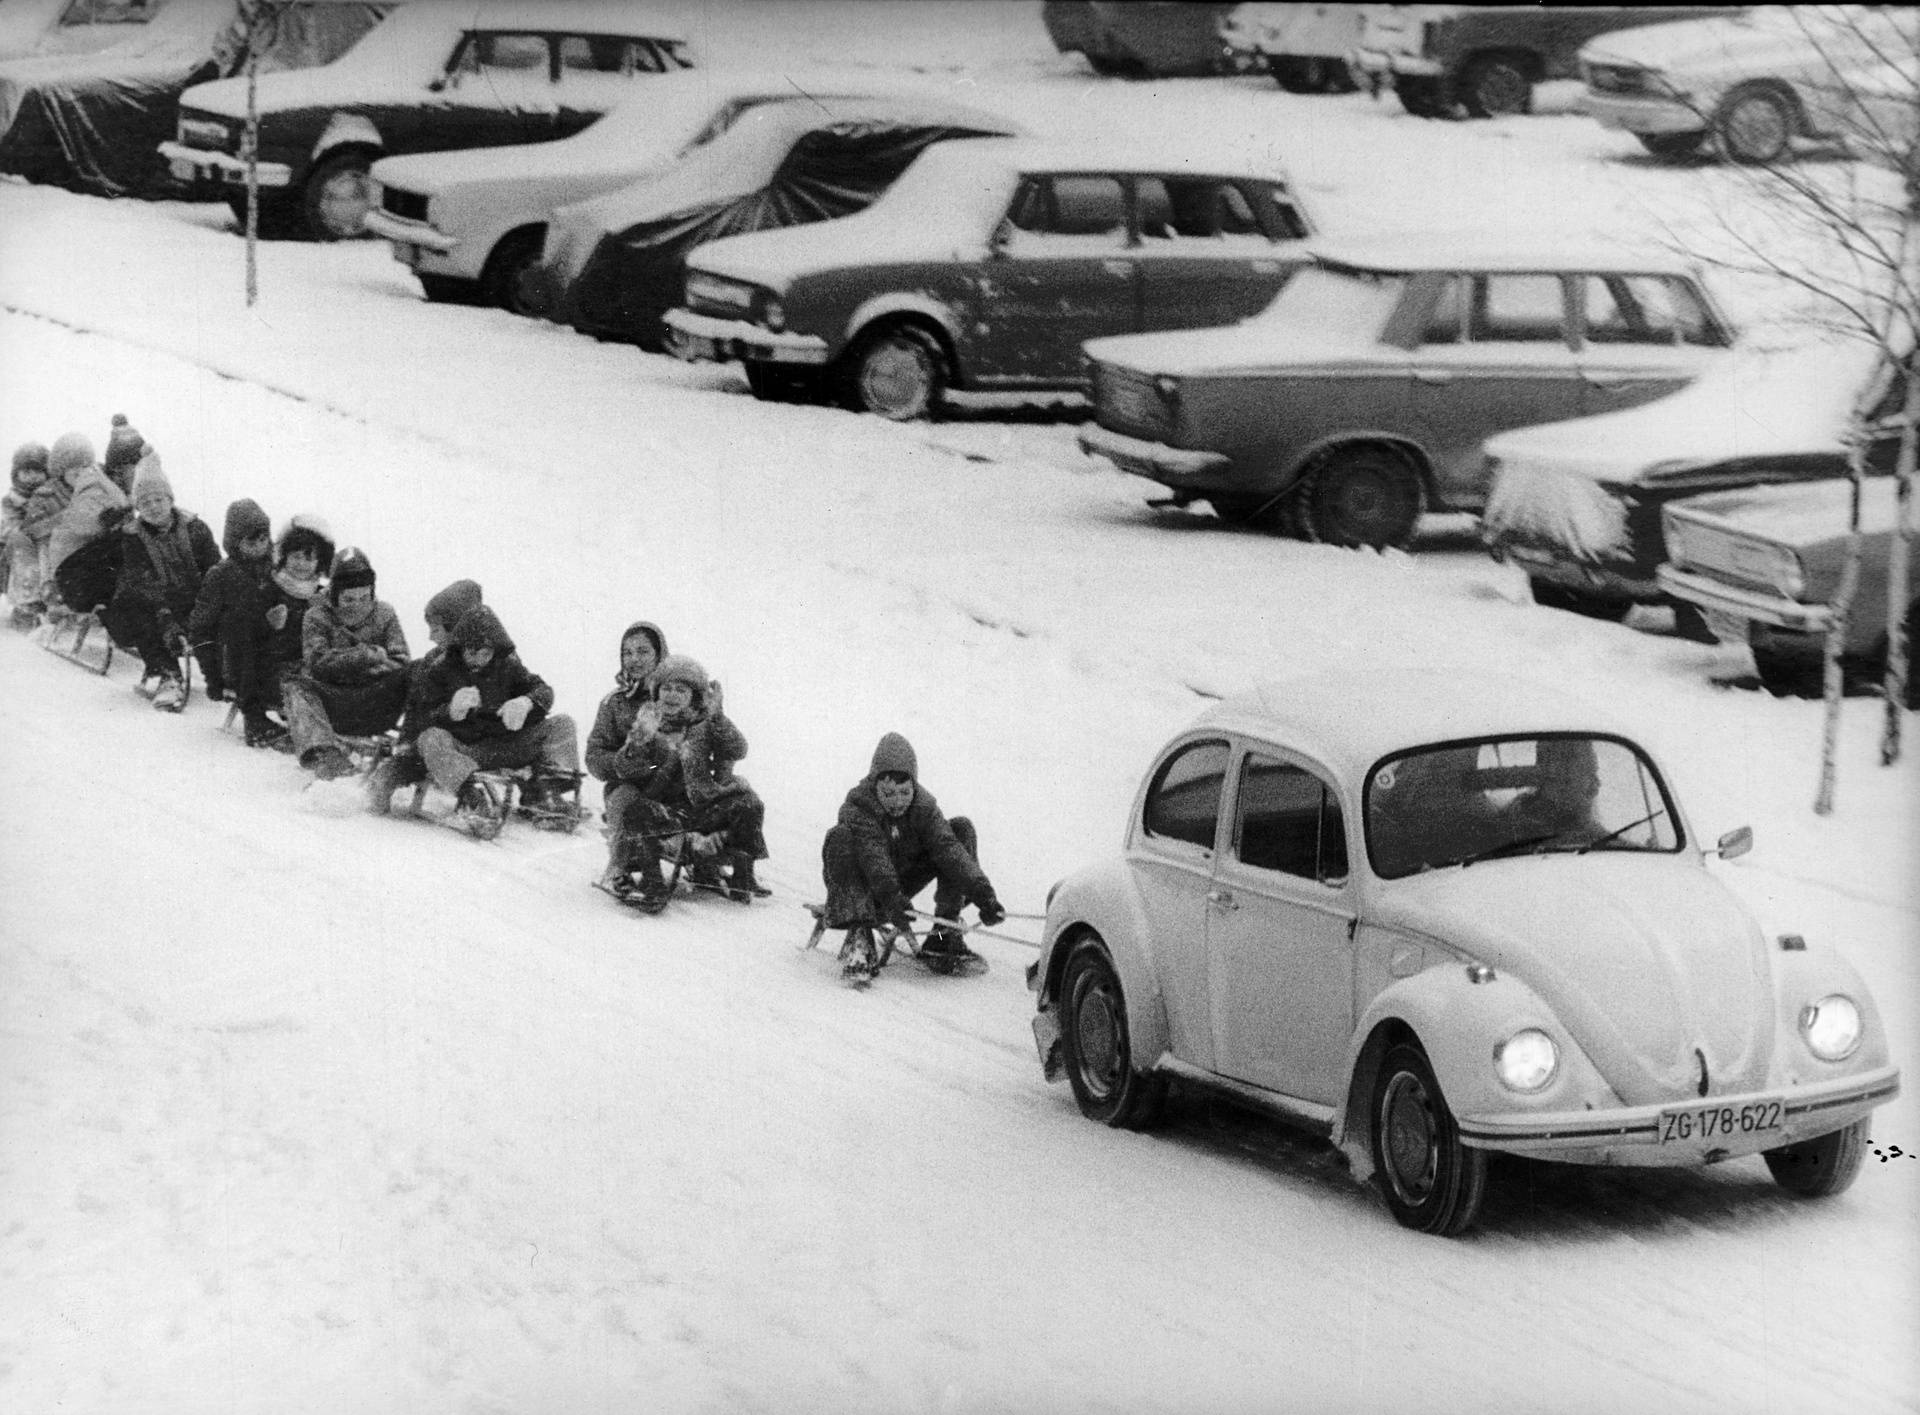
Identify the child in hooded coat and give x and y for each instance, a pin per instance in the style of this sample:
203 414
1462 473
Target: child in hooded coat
890 842
485 709
23 535
230 613
165 556
677 757
612 757
353 673
82 564
402 766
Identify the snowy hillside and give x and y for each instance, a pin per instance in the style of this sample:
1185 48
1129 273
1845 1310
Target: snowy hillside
306 1111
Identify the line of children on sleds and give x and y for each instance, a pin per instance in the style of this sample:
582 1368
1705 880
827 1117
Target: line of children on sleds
289 625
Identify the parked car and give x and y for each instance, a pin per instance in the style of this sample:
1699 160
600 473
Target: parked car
34 27
1763 566
1304 47
613 265
1486 59
444 74
472 223
1435 917
986 266
1756 82
1140 39
1359 398
1577 505
91 121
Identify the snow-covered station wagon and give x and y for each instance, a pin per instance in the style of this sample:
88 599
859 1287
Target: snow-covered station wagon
1470 919
437 75
986 266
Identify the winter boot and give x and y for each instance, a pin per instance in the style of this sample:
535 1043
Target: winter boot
858 958
945 951
263 731
479 809
742 887
654 891
171 695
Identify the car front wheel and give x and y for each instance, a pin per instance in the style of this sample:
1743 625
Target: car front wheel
505 281
1424 97
1098 1047
898 373
338 196
1826 1164
1756 126
1364 496
1431 1182
1496 86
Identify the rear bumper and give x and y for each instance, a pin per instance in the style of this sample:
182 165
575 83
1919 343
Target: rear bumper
198 164
1175 466
702 338
1632 1136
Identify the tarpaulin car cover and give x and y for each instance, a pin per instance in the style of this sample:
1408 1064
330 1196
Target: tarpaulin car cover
614 265
93 122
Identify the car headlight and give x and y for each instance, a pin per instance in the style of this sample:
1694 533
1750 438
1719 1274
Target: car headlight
1527 1060
1832 1027
735 296
774 314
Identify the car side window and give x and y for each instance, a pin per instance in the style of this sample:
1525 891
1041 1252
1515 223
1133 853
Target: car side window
1669 310
1184 801
108 12
1288 820
1518 309
1079 212
610 55
1195 208
1447 322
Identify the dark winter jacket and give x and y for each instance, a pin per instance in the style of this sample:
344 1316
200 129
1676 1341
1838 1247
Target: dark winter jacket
607 754
45 506
161 570
343 655
919 840
231 608
504 678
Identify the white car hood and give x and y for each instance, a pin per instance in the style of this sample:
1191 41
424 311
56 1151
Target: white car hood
1644 959
1253 347
1758 42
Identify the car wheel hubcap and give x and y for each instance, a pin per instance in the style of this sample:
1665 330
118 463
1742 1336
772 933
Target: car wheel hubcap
895 377
1410 1133
1503 90
1757 128
345 199
1097 1029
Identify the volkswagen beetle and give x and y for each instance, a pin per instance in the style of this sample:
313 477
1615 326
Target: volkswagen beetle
1477 920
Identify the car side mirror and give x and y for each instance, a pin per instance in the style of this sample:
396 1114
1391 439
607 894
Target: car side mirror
1003 233
1735 843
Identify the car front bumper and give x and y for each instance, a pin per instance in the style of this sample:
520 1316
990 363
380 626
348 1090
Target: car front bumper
1717 597
1383 61
403 232
1633 1135
199 164
702 338
1648 113
1174 466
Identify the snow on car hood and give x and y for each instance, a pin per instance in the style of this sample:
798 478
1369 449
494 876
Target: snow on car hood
1643 959
1756 40
1756 403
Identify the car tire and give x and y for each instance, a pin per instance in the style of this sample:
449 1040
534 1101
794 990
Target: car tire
1097 1046
1673 146
1756 126
1424 96
1261 513
1496 86
897 373
1592 606
447 289
1432 1183
503 280
1363 496
278 217
337 197
1788 675
1822 1166
777 383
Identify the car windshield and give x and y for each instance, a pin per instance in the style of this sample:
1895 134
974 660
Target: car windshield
1465 802
1324 297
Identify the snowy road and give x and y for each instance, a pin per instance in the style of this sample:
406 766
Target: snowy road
305 1111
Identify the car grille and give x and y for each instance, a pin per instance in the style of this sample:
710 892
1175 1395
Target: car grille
1743 560
1127 401
406 205
1617 78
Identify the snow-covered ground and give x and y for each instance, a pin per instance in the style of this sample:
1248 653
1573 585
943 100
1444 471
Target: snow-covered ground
305 1111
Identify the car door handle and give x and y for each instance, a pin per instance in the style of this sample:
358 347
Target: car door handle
1222 899
1118 267
1432 375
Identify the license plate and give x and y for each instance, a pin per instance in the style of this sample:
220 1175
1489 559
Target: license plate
1719 1122
182 169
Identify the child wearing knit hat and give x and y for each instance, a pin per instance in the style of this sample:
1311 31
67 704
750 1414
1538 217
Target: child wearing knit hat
232 612
23 537
125 448
354 668
166 556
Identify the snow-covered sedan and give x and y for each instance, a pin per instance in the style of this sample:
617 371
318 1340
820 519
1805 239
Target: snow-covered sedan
1433 918
438 75
1577 505
1757 82
1360 397
473 222
985 267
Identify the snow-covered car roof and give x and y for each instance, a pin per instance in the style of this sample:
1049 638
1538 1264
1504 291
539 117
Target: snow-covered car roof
658 123
1757 403
1349 721
1127 154
1475 251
